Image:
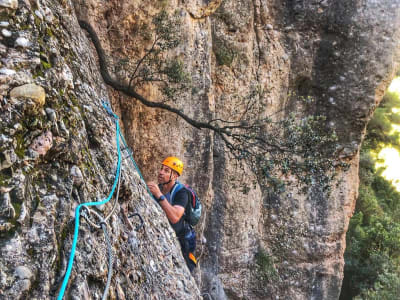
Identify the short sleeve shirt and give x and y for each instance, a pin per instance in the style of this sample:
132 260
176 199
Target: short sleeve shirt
181 198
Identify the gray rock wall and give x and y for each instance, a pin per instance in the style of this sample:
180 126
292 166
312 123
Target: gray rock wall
58 144
58 149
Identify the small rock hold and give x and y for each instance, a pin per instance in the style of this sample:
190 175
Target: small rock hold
51 114
22 42
32 91
32 154
5 71
48 15
88 108
5 226
24 285
9 158
76 175
4 24
6 33
17 126
269 27
23 272
333 88
54 178
42 143
63 128
23 214
13 4
4 139
38 14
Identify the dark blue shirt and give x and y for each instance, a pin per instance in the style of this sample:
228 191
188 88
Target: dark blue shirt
181 198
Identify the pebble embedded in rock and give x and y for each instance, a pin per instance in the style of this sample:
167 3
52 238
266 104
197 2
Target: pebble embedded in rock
4 24
9 158
22 42
13 4
4 139
42 143
48 15
23 272
38 14
76 175
6 33
24 285
5 71
51 114
32 91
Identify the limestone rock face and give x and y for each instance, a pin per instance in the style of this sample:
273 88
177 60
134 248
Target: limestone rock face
58 153
253 243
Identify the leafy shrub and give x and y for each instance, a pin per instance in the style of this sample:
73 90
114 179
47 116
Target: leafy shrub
372 257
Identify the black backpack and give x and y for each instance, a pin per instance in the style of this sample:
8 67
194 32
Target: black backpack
194 205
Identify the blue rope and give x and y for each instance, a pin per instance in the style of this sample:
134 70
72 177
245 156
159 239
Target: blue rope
77 210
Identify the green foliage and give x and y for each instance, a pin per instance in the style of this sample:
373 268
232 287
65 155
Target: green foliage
45 65
167 30
379 131
156 66
387 287
372 257
224 55
175 71
20 150
306 150
264 264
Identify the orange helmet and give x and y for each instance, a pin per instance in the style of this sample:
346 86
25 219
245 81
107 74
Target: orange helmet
174 163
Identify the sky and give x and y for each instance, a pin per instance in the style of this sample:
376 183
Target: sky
391 156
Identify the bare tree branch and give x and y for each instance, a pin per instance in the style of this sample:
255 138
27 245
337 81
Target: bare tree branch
303 145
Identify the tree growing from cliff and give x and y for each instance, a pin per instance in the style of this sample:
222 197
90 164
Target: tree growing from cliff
293 145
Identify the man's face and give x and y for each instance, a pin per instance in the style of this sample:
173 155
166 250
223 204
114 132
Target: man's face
164 174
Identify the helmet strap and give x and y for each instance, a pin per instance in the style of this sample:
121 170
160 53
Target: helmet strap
170 179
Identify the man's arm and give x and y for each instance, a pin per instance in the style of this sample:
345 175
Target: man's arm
174 213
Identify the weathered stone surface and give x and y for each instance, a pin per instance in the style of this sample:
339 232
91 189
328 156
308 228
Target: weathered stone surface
291 50
31 91
65 154
23 272
342 54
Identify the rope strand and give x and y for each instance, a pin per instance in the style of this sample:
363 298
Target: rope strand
78 208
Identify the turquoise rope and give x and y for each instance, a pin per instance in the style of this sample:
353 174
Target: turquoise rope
77 210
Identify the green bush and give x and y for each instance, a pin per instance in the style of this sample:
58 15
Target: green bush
265 266
372 257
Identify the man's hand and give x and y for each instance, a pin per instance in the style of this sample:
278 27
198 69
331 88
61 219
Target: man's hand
154 189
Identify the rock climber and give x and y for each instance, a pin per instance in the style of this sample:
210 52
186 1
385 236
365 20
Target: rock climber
176 209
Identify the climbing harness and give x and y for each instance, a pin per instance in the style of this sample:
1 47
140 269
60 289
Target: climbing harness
86 211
